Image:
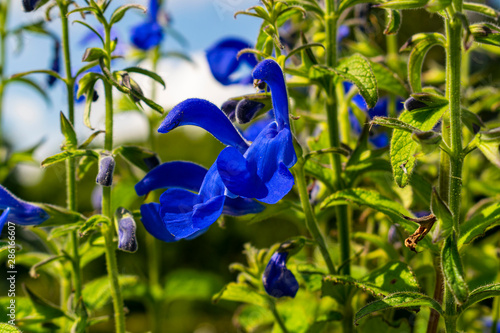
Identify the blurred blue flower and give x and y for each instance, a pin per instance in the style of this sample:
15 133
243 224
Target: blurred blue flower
150 33
19 211
195 199
224 65
56 63
261 171
380 139
30 5
277 279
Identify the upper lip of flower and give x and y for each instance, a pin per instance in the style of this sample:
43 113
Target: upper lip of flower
21 212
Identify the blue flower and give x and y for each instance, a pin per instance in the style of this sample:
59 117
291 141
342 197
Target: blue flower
194 200
19 211
224 65
380 139
261 172
277 279
30 5
150 33
56 63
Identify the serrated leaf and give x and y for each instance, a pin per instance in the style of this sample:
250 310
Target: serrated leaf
489 148
6 328
403 147
240 292
479 224
67 154
97 293
395 276
69 133
388 80
394 123
486 33
399 300
434 6
481 293
481 9
358 70
393 22
120 12
453 270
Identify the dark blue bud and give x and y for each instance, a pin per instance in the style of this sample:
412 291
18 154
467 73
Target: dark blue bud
246 110
412 104
152 162
56 63
229 108
30 5
127 240
106 168
277 279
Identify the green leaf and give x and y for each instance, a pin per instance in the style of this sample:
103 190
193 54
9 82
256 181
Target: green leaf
6 328
358 70
69 133
393 22
67 154
191 285
59 215
120 12
344 4
395 276
481 293
479 224
135 155
90 139
403 147
92 223
366 166
429 99
39 71
394 123
89 98
331 281
399 300
93 53
148 73
434 6
43 307
489 147
240 292
97 293
378 242
453 270
84 166
387 80
442 212
403 4
481 9
486 33
417 57
320 172
32 84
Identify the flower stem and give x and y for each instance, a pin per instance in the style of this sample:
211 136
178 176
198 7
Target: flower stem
311 223
343 223
278 319
108 230
71 200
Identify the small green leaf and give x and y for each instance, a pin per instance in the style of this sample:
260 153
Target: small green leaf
93 53
120 12
403 4
43 307
417 38
67 154
331 282
442 212
393 22
387 80
399 300
486 33
39 71
489 145
416 60
395 276
84 166
59 215
453 270
92 223
240 292
394 123
481 293
358 70
146 72
403 147
479 224
135 155
97 293
434 6
481 9
69 133
90 139
430 99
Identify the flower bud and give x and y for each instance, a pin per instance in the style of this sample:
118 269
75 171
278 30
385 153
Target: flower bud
412 104
127 240
246 109
229 108
30 5
277 279
106 168
152 162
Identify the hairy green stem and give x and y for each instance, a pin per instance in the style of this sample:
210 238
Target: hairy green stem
108 230
71 199
278 319
311 222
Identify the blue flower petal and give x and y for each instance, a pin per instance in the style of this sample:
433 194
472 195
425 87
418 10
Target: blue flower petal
270 72
342 33
21 212
380 140
202 113
154 6
277 279
241 206
252 131
3 218
56 63
223 63
127 240
178 174
147 35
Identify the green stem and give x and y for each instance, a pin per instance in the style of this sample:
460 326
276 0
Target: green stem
311 223
278 319
71 200
343 223
108 230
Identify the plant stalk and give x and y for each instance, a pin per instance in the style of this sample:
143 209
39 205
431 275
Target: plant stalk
108 230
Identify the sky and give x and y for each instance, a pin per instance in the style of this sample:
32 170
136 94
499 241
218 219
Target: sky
27 119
